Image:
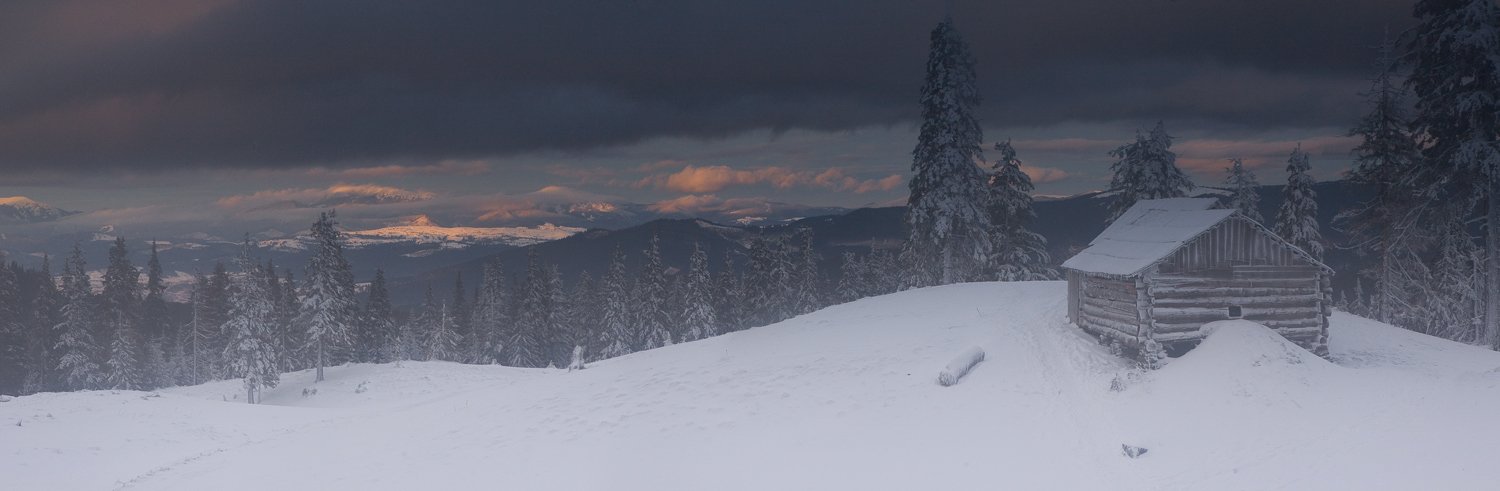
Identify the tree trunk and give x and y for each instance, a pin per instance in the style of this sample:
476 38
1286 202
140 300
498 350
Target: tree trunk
320 360
1492 278
1383 291
249 394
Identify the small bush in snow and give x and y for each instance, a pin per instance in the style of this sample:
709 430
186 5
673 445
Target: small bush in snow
1133 452
362 387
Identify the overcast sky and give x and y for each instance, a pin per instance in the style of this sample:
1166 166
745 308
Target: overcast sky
107 105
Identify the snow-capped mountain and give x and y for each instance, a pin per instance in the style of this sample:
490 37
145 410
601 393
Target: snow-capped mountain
20 209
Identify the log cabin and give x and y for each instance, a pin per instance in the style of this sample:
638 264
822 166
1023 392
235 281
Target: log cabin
1166 267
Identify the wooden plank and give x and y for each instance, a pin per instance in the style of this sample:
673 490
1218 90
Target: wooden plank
1117 316
1163 292
1101 324
1108 293
1195 282
1119 307
1309 300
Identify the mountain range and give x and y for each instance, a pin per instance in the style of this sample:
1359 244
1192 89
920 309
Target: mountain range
418 251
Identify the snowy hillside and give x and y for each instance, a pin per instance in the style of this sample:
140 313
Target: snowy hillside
20 209
843 398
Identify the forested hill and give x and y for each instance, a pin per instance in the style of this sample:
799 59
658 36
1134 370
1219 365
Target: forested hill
1068 224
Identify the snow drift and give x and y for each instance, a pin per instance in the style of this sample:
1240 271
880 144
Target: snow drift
837 399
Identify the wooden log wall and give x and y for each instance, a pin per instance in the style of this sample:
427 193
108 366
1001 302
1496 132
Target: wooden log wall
1289 299
1107 306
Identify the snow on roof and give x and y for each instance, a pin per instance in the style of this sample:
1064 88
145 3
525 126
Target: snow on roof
1146 233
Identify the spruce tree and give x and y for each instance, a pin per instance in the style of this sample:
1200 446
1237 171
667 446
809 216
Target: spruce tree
1297 219
443 341
730 296
1385 160
583 316
557 342
291 340
12 339
491 316
119 304
378 331
77 361
42 357
1146 169
156 326
652 316
946 217
460 313
1245 197
851 276
1454 56
328 304
1020 254
698 316
525 347
616 322
806 278
250 350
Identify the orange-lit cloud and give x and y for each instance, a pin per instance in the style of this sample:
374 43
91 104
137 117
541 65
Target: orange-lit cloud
714 178
446 167
1210 156
1041 175
337 194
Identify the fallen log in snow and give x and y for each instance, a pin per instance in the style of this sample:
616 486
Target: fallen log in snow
960 366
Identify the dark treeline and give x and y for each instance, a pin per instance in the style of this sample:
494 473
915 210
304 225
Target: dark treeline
255 321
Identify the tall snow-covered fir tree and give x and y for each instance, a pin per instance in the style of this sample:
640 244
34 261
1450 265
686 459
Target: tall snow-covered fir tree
1297 219
557 341
291 341
698 317
1384 225
807 279
42 357
250 351
491 316
76 344
378 332
118 309
583 316
444 340
768 281
948 224
652 317
1454 59
1244 189
460 311
525 346
156 326
616 322
328 304
1146 169
1453 293
1020 254
414 333
12 330
729 296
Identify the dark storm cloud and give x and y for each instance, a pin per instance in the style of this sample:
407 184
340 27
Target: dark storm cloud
170 83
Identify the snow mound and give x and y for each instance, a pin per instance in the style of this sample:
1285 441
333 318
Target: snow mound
1240 343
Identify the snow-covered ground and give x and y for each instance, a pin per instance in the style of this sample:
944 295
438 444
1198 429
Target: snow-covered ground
844 398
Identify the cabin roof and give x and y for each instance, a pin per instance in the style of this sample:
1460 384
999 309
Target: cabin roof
1147 233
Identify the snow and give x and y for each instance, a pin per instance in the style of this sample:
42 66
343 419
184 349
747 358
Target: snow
841 398
1146 233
